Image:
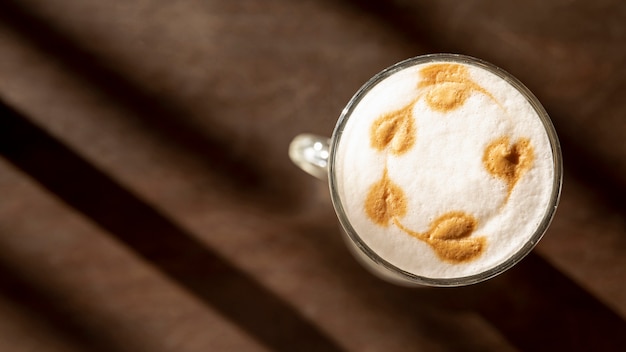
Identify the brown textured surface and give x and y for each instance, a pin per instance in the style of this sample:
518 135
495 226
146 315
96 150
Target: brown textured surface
148 204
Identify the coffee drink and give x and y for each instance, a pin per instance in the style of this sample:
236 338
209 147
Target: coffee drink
444 168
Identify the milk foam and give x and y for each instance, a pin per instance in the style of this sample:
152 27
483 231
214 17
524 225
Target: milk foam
444 172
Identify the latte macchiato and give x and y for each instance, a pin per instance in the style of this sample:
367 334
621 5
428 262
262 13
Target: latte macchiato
444 168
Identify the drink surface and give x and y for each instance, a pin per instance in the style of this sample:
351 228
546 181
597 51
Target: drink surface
444 169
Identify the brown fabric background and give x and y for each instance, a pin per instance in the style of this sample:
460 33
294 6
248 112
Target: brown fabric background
147 202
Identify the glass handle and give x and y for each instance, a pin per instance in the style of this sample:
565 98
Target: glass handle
310 152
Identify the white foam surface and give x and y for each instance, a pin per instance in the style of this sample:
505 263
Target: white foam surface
444 172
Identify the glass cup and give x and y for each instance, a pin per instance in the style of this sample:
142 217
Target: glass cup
317 156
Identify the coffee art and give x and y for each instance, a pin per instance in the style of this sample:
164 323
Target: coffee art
443 169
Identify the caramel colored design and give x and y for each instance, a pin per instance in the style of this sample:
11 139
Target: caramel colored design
448 86
395 130
445 87
449 236
385 201
507 161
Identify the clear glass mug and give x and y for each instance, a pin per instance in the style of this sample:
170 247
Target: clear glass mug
317 156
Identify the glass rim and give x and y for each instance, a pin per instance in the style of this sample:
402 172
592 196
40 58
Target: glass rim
463 280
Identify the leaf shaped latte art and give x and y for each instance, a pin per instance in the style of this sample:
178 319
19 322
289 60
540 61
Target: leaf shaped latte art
449 236
508 162
394 130
449 86
385 201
